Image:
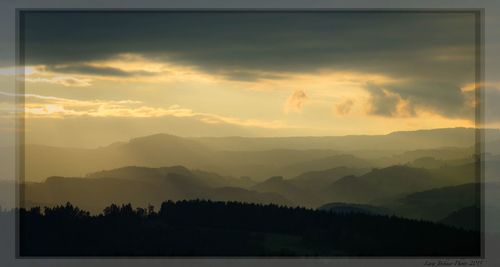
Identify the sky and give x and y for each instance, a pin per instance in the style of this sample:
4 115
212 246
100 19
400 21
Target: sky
92 78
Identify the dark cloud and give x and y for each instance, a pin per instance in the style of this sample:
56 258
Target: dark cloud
287 41
382 103
434 50
442 97
100 71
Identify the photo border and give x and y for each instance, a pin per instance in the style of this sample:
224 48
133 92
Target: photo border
479 115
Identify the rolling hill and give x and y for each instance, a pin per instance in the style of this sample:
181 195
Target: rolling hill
435 204
402 141
258 158
143 186
316 181
380 184
288 190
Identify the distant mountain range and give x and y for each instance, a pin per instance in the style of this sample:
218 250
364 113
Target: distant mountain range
145 185
435 204
427 174
401 141
257 158
142 187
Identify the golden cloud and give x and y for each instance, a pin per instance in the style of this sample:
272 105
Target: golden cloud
38 106
344 107
295 102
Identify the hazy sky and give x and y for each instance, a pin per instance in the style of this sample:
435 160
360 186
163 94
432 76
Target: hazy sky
94 78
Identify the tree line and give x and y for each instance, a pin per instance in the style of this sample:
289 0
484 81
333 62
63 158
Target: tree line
212 228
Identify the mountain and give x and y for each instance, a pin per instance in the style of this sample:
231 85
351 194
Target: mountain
262 164
161 150
423 158
456 175
380 184
427 163
152 151
316 181
307 188
436 204
343 160
279 185
401 141
441 153
95 194
143 186
202 178
466 218
244 156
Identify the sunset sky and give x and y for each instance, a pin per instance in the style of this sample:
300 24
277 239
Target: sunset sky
93 78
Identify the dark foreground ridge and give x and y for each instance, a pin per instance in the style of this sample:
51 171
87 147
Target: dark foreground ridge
206 228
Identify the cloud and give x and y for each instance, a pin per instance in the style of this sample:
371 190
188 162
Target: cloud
445 98
344 107
61 80
435 51
299 41
386 103
295 102
253 76
381 102
39 106
37 74
99 71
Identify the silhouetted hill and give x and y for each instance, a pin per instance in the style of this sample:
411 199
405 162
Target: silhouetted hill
262 164
344 160
255 157
288 190
152 151
205 228
42 161
440 153
202 178
436 204
380 184
441 156
456 175
427 163
402 141
95 193
468 218
165 149
316 181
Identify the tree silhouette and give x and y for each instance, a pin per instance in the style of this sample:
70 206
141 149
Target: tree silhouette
207 228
